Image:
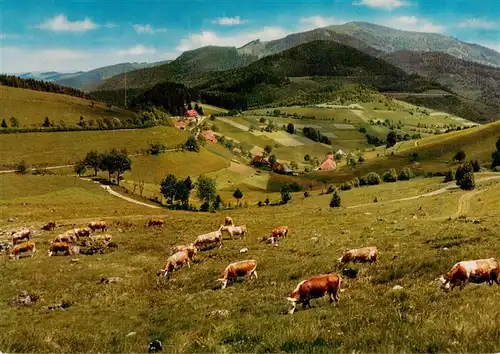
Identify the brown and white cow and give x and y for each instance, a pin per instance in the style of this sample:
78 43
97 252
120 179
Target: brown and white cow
228 221
51 225
475 271
67 237
82 232
22 234
215 237
174 262
98 225
57 247
314 288
361 255
234 230
155 222
191 249
239 269
280 231
23 248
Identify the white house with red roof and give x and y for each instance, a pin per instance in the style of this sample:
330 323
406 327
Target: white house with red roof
328 164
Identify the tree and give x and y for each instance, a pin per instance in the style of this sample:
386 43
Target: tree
238 194
22 168
307 158
182 193
370 179
339 156
465 177
46 123
290 128
156 148
116 162
390 176
392 139
272 159
206 189
267 201
351 162
81 123
449 176
406 174
285 194
336 202
268 149
189 183
217 202
4 123
168 188
191 144
460 156
496 155
93 160
14 122
80 168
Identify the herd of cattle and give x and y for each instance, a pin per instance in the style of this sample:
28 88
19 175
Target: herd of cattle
462 273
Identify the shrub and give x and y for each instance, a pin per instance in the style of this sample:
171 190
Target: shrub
330 189
414 157
21 168
346 186
336 202
390 176
459 156
267 201
406 174
191 144
205 206
370 179
462 171
468 181
156 149
355 182
260 203
285 194
362 130
450 176
375 200
306 194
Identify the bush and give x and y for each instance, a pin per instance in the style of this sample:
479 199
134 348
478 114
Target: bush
156 149
205 206
260 203
191 144
267 201
285 194
362 130
330 189
355 182
462 171
390 176
22 168
406 174
336 202
450 176
370 179
346 186
306 194
468 182
459 156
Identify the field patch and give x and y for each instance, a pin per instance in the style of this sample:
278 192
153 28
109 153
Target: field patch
241 169
289 141
344 126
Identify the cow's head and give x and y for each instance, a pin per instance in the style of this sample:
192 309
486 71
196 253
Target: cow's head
445 284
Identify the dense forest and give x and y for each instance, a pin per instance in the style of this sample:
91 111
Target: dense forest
14 81
168 96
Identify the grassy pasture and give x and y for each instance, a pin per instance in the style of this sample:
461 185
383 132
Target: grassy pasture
371 317
61 148
31 107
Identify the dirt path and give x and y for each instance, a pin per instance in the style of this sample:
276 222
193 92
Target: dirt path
463 202
116 194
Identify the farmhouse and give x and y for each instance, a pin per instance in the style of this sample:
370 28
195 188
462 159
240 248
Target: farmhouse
328 163
259 161
191 114
282 168
209 136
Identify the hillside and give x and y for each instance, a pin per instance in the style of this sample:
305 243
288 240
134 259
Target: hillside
267 80
471 80
390 40
184 69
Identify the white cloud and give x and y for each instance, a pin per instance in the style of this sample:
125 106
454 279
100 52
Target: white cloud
412 23
148 29
205 38
61 23
137 50
308 23
382 4
478 23
229 21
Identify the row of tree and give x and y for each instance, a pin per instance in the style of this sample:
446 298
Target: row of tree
114 162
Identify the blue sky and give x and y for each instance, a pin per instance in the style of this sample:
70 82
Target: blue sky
42 35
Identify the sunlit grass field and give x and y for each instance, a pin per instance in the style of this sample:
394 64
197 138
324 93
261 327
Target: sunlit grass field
370 317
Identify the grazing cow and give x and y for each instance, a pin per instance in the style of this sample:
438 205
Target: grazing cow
98 225
67 237
82 232
239 269
234 230
207 239
362 255
22 234
23 248
228 221
59 247
476 271
51 225
269 239
280 231
105 237
191 249
155 222
174 262
314 288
